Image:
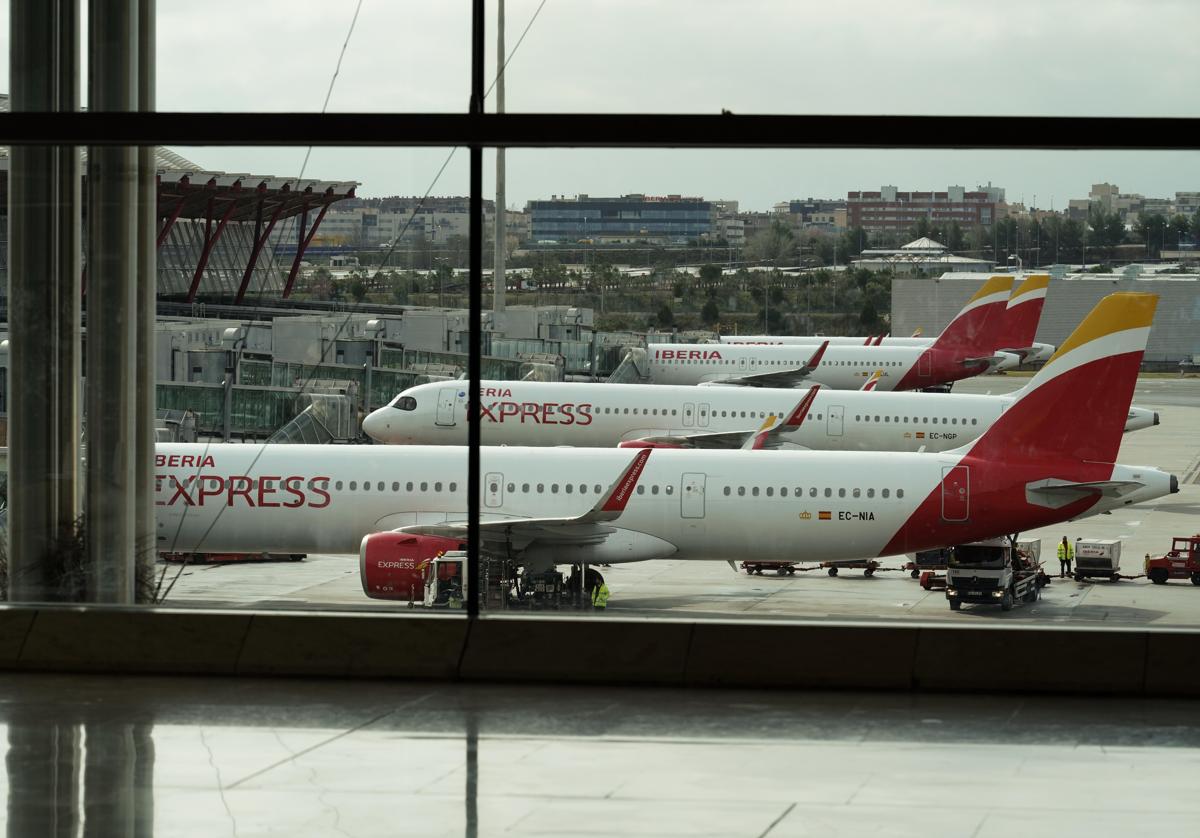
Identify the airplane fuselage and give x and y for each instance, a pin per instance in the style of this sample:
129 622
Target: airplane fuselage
841 367
688 504
603 415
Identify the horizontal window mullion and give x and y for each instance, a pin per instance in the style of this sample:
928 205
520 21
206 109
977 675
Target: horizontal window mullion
600 130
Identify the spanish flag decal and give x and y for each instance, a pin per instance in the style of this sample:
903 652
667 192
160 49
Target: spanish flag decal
823 516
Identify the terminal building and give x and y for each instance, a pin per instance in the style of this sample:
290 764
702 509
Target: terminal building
631 218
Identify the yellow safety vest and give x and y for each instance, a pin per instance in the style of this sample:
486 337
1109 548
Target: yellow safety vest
1065 552
600 596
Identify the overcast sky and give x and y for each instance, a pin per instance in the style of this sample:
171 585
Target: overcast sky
1030 57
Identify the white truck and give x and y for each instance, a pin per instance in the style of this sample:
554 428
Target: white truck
991 572
1098 557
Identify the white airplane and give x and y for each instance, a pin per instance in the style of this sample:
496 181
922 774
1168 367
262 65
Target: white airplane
1023 312
963 350
1037 465
605 415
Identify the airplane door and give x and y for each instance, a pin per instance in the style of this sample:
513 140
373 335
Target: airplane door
691 495
689 414
493 489
956 493
702 419
835 422
923 365
445 406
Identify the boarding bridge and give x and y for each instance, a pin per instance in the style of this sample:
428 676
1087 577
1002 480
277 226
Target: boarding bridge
633 369
326 417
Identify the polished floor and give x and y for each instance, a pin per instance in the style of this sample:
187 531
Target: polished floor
108 756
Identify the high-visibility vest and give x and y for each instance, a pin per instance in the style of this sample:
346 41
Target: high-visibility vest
600 596
1065 552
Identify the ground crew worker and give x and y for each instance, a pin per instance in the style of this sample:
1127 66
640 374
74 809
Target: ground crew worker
1065 553
600 596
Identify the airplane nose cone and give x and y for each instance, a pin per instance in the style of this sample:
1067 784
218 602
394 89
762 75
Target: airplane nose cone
376 426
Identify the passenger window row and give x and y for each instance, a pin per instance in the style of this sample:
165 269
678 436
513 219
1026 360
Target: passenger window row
813 491
916 420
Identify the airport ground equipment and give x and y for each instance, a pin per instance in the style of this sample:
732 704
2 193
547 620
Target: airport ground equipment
780 568
446 580
1182 561
869 567
931 580
1098 558
220 558
992 572
927 560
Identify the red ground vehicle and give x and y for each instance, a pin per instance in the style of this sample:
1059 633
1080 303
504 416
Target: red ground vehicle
1182 562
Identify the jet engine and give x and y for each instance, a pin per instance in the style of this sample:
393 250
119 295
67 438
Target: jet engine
393 565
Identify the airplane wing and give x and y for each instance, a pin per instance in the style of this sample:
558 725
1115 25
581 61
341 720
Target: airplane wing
766 437
581 529
1056 493
779 378
992 361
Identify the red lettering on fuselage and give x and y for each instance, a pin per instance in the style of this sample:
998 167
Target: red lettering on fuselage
245 491
537 413
688 354
184 461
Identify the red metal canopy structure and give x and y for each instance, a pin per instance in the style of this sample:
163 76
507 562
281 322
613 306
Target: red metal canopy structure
222 234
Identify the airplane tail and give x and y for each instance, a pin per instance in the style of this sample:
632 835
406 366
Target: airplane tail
976 329
1023 313
1077 405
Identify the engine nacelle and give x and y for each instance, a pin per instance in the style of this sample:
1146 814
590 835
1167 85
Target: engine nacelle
393 565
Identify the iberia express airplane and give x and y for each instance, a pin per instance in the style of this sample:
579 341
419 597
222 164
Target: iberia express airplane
1037 465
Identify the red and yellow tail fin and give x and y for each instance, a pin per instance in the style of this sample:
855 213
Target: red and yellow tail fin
977 328
1076 407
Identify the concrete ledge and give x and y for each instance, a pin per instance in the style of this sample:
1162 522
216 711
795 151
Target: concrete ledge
603 650
1030 659
597 650
353 645
1172 664
14 628
784 655
133 640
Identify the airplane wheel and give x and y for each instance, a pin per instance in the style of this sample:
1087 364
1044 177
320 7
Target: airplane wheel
791 571
749 571
1116 577
833 571
780 571
870 571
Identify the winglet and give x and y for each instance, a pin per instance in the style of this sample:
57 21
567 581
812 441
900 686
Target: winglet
917 332
879 340
805 404
760 437
613 503
815 360
873 381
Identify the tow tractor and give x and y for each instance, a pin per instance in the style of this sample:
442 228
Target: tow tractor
1181 562
992 572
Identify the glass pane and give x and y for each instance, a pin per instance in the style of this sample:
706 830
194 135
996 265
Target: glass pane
348 57
935 57
637 289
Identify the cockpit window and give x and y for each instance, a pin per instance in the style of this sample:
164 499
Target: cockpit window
406 403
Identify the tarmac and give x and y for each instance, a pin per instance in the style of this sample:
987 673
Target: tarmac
712 590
